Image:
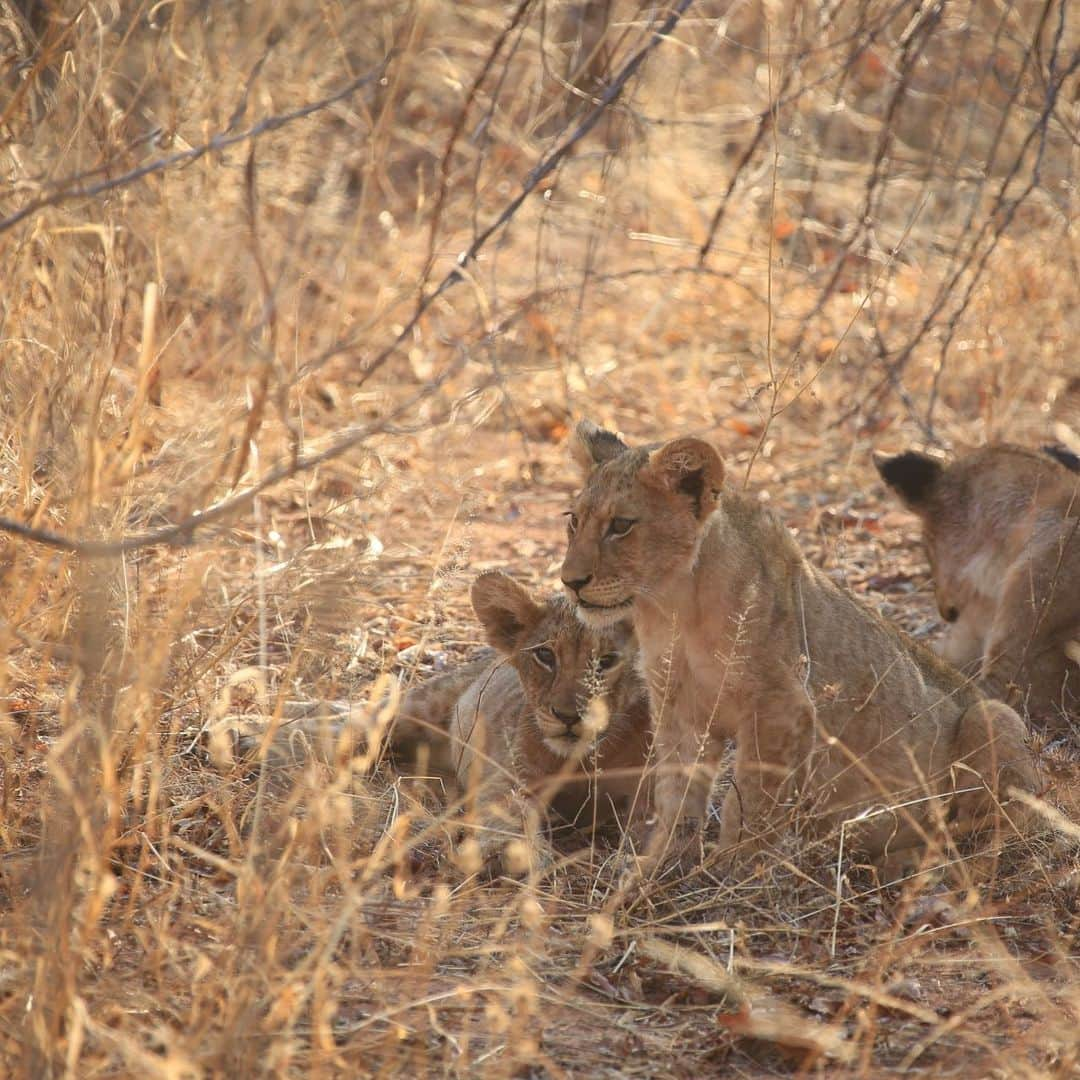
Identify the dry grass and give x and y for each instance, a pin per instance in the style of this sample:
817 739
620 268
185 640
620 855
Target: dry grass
804 229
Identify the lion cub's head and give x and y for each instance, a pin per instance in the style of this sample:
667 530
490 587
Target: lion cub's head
637 520
973 510
562 665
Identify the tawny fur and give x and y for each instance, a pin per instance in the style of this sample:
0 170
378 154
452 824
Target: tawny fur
418 737
1001 527
833 710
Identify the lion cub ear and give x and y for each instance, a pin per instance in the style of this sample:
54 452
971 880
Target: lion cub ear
913 476
688 467
591 446
1063 456
505 610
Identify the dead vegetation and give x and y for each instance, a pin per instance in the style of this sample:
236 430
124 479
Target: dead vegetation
345 273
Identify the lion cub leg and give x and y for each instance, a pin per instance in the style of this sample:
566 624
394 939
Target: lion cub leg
772 757
684 777
504 827
991 756
504 832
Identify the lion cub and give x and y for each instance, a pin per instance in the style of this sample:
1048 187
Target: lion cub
836 714
554 716
561 719
1001 527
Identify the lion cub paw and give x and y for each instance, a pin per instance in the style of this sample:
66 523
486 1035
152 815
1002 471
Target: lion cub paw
497 856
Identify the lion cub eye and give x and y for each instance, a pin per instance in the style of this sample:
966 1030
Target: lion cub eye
620 526
950 614
545 657
571 522
607 661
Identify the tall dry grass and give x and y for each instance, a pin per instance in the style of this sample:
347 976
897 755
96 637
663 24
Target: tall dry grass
231 237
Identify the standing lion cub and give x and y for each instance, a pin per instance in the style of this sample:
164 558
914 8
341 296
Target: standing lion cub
836 714
1001 527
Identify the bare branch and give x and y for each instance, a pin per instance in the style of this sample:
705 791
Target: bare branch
183 531
543 169
72 188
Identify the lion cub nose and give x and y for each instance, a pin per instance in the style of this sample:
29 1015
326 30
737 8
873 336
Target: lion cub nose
578 583
568 718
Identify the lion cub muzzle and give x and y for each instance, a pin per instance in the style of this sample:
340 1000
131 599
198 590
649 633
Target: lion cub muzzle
599 602
563 732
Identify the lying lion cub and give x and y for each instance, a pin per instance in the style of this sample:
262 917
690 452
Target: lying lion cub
1001 527
555 716
835 712
562 716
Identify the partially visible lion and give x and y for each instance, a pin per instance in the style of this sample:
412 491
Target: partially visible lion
1001 527
839 719
554 717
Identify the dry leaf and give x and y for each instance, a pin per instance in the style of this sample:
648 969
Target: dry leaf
783 228
741 427
772 1020
826 347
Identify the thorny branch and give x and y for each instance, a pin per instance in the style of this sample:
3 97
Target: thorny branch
995 225
455 135
544 168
